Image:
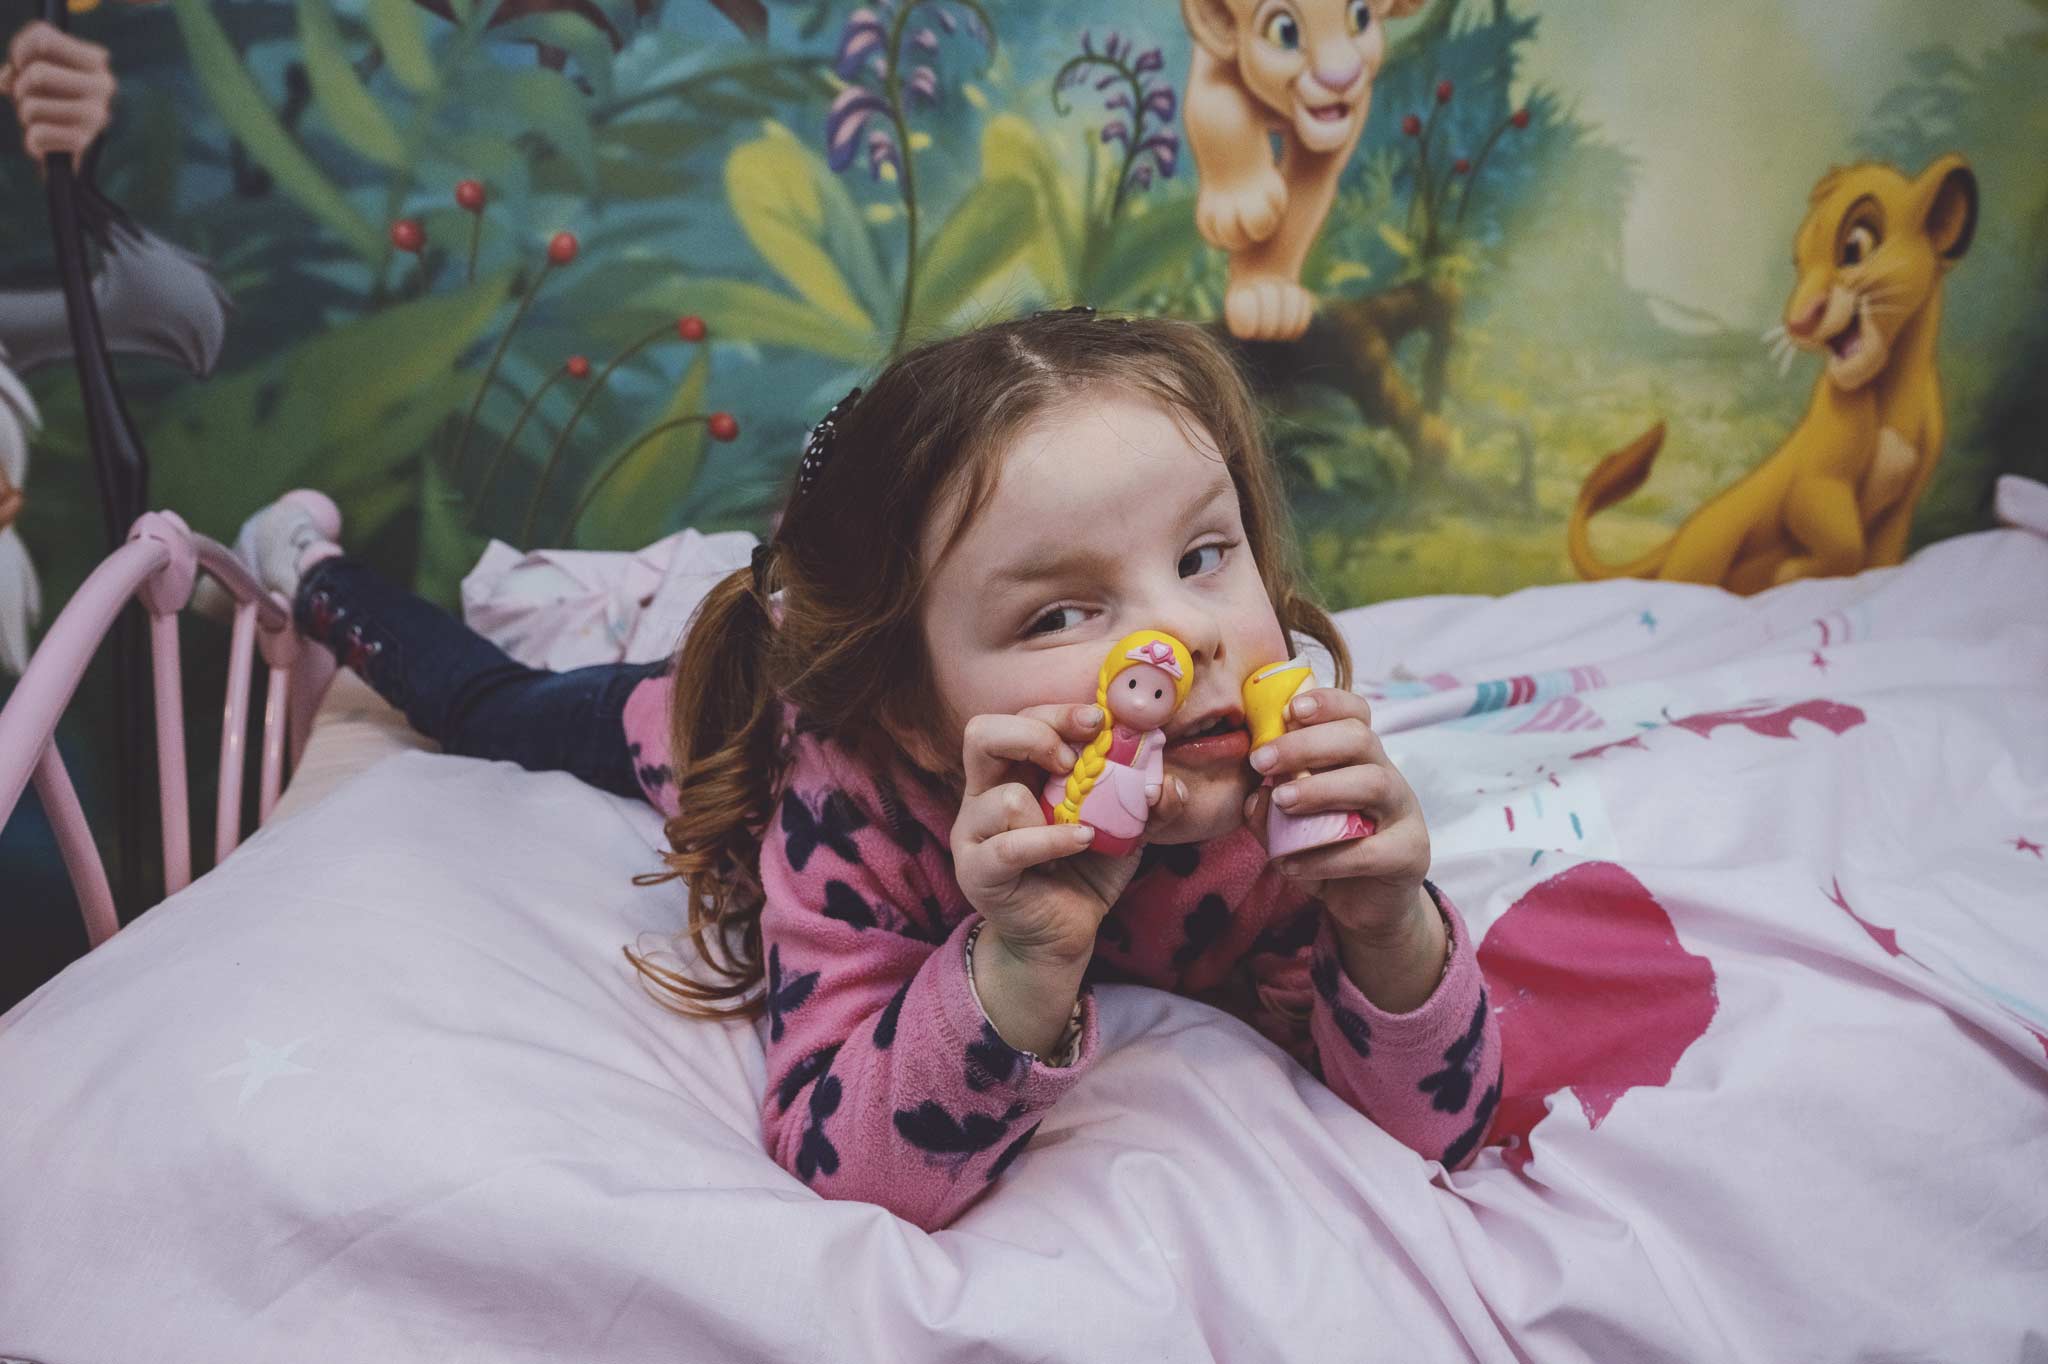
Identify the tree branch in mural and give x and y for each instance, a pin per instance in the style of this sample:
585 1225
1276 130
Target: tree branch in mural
1301 74
1838 496
1352 343
870 51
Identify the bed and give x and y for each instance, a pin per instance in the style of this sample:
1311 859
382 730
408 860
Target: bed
1762 885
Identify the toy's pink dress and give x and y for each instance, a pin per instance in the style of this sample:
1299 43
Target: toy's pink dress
1115 806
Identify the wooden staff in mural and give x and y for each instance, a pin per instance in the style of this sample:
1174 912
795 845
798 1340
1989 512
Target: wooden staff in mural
1838 496
149 298
1301 70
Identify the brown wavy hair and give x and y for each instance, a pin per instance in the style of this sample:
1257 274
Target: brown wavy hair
849 649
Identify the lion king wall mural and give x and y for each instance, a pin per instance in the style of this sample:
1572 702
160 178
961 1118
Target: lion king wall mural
1531 291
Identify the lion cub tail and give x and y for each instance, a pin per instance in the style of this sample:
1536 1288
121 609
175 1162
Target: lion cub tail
1614 478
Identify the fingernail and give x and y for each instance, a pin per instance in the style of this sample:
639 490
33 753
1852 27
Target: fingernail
1264 759
1251 803
1084 833
1304 706
1089 716
1066 756
1285 795
1180 788
1151 791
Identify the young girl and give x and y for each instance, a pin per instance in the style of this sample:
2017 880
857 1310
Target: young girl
853 741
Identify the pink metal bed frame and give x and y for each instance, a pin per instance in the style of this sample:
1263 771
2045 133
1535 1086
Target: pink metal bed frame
160 564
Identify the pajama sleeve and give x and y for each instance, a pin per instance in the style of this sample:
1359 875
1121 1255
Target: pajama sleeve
1430 1077
886 1083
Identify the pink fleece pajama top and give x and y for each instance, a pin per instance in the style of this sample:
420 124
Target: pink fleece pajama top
887 1083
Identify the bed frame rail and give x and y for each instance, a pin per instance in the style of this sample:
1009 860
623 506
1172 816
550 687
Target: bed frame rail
160 564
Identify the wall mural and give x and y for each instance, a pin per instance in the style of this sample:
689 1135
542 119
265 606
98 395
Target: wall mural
1730 294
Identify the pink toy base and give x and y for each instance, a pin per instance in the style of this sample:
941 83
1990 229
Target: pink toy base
1286 833
1104 843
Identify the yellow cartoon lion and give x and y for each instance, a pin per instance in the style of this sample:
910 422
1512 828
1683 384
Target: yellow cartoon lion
1301 70
1838 496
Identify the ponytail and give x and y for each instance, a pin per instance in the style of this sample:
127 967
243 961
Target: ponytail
722 737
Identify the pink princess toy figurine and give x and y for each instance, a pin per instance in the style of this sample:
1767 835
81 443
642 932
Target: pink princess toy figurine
1143 682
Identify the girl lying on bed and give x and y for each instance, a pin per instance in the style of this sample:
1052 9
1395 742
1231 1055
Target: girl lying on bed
849 744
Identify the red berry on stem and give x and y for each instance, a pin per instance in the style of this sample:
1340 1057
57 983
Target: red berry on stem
1412 125
1443 92
722 426
470 195
1461 165
691 328
1521 118
562 248
578 367
408 235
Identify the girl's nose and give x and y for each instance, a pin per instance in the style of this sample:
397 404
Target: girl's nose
1194 626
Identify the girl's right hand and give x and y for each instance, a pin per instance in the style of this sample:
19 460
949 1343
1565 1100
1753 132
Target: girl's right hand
1037 885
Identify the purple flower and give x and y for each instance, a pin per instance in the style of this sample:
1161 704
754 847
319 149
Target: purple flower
862 37
1159 101
1111 79
1165 148
923 86
1088 42
1141 177
948 22
1117 46
1118 101
878 67
1149 60
881 148
1115 131
849 113
925 40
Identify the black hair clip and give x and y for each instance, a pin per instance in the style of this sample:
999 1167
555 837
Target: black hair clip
819 447
1078 310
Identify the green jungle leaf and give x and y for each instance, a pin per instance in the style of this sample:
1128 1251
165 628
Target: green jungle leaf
804 225
351 114
633 507
246 112
401 35
991 226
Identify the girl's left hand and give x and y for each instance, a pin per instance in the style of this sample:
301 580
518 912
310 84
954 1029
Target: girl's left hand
1370 885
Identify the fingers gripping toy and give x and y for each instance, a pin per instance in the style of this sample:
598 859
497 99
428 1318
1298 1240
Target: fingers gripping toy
1143 682
1266 694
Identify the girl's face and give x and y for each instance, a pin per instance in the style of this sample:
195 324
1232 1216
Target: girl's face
1107 516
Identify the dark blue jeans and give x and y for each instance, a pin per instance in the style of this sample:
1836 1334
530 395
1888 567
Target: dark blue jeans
464 692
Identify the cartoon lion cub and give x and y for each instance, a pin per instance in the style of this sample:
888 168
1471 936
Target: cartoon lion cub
1301 70
1838 496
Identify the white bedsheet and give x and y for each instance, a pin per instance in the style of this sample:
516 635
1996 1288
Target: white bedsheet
383 1087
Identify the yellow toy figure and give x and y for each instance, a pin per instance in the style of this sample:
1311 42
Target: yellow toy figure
1302 69
1143 682
1266 694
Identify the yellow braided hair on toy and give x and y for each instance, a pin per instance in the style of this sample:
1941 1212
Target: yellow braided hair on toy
1088 767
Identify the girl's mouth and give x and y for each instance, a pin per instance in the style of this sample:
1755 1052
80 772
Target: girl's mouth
1222 740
